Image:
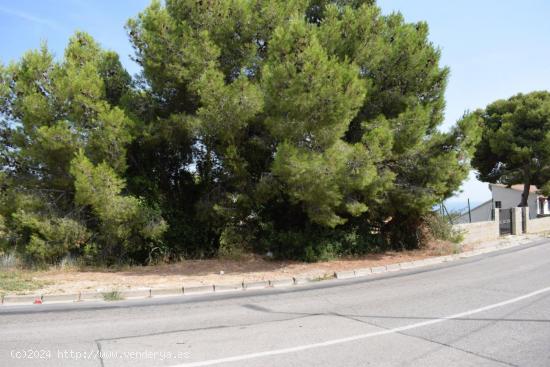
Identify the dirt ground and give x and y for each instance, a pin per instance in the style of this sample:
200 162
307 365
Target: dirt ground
206 272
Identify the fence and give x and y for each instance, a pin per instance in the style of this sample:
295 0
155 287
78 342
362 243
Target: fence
480 231
513 221
537 225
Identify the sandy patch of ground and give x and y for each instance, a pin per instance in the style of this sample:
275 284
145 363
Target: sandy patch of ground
206 272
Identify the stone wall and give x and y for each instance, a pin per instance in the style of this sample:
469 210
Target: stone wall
489 231
538 225
479 231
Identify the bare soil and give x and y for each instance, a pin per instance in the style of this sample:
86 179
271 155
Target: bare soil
206 272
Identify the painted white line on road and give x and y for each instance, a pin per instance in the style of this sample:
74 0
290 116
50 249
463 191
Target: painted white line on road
328 343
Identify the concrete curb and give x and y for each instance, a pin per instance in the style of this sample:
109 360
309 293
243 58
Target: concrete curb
363 272
90 296
228 287
161 292
20 299
138 293
256 285
198 289
281 283
345 274
59 298
300 281
378 269
393 267
145 293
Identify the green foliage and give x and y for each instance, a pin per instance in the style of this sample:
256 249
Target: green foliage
14 281
112 296
64 146
515 144
316 243
440 227
123 220
49 239
305 128
234 243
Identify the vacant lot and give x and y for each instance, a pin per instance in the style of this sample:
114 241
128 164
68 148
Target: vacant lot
193 272
16 281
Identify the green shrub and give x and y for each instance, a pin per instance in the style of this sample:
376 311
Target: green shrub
234 243
321 244
49 239
440 227
112 296
13 281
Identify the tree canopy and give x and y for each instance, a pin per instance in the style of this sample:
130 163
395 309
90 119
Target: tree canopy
515 144
302 127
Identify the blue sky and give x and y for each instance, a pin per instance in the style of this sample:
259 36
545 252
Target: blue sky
495 48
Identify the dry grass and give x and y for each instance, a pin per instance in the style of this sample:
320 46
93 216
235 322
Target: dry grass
18 282
71 279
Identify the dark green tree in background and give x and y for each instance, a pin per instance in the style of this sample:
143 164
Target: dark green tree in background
307 128
515 144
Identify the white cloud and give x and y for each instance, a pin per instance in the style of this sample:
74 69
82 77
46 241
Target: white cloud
31 18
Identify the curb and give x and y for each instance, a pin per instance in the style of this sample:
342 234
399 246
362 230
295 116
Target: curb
256 285
199 289
281 283
160 292
7 300
54 298
228 287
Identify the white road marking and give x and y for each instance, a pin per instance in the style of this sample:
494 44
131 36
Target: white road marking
327 343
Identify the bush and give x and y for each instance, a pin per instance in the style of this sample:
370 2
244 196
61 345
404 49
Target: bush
440 227
321 244
112 296
49 239
234 243
8 260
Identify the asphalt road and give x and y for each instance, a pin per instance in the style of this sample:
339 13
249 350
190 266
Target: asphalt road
490 310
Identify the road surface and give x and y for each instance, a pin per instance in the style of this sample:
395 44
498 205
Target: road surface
490 310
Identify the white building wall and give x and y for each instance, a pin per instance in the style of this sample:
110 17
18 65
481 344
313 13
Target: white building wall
511 198
545 208
480 213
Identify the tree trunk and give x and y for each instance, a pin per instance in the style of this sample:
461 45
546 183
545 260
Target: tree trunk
525 193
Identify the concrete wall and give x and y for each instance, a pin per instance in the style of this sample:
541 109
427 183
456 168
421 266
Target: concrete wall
489 230
538 225
480 231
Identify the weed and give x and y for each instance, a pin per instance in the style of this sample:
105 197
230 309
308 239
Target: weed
8 260
13 281
112 296
325 276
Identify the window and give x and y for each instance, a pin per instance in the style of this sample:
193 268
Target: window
498 204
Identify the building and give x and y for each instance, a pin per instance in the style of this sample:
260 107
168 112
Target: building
504 197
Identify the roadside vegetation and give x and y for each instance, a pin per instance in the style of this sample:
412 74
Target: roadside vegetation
112 296
305 130
18 282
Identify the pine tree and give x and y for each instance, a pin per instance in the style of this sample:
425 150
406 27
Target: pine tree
515 144
307 127
57 116
343 123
